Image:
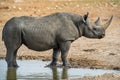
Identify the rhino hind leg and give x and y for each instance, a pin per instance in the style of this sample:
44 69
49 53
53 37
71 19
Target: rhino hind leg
11 58
12 46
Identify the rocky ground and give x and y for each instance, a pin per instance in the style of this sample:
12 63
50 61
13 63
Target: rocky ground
84 52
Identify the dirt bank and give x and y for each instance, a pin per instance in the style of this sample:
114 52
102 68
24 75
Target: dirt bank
103 77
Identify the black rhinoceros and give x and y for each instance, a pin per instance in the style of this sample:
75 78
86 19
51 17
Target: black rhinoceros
56 31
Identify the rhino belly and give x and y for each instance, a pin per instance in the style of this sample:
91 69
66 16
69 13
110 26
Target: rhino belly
39 45
39 42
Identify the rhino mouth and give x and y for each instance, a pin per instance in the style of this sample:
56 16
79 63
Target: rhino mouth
101 36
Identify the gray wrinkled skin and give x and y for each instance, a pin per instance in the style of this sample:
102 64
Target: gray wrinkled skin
56 31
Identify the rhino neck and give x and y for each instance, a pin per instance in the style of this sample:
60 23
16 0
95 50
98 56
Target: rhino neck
78 22
80 28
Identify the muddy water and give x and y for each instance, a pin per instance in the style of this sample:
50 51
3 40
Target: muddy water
36 70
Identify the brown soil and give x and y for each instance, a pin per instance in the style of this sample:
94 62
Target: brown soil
103 77
93 53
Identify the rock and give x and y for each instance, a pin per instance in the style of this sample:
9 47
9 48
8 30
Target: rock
112 54
19 8
18 1
77 5
2 3
14 7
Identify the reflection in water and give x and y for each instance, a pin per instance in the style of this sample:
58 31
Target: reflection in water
64 74
55 74
11 74
39 72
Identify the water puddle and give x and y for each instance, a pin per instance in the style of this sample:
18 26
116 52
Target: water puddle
36 70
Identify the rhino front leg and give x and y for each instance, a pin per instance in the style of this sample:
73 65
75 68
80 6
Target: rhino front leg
64 51
56 52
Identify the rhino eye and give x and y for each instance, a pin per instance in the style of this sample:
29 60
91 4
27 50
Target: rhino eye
94 28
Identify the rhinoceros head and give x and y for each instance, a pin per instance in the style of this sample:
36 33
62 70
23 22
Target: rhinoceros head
95 30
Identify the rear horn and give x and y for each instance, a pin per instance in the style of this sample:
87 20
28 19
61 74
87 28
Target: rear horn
97 22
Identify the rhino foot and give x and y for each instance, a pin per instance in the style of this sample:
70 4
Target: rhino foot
66 66
51 65
13 66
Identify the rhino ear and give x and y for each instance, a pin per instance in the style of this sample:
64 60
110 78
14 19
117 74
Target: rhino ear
86 20
85 17
97 22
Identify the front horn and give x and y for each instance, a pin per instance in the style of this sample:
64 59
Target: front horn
105 26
